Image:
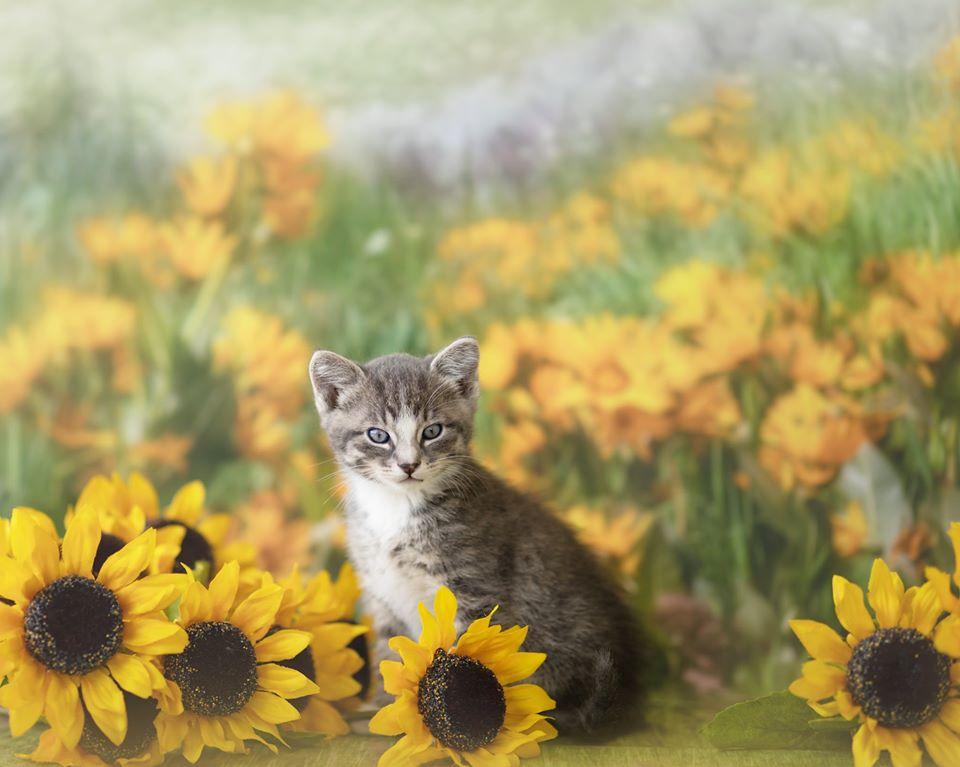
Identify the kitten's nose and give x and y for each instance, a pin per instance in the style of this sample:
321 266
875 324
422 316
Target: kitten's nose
409 468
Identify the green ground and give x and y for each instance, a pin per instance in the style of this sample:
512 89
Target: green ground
670 740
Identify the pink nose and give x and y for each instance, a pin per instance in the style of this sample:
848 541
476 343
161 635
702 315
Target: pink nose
409 468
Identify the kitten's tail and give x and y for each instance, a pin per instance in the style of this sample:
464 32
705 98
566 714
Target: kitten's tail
601 700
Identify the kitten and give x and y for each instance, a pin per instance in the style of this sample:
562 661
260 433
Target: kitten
422 513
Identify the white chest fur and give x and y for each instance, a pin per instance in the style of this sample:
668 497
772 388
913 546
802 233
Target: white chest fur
380 532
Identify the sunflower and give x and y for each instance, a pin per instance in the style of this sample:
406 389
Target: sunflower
227 685
896 673
456 698
329 660
79 649
124 509
185 534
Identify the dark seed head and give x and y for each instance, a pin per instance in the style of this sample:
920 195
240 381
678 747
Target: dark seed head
302 662
217 672
74 625
461 702
140 731
897 677
194 548
109 545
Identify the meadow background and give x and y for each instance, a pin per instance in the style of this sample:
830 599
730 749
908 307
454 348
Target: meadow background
711 252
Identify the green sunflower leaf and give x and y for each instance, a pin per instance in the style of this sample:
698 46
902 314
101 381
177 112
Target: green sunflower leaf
833 724
779 721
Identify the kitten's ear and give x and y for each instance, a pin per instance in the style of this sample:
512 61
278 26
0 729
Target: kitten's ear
331 375
459 362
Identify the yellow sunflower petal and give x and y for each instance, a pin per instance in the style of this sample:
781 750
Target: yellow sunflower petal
387 720
904 749
123 567
335 636
151 593
196 605
445 608
272 708
223 590
63 710
821 641
187 504
282 645
105 703
80 543
255 614
820 680
942 744
528 699
336 686
946 636
518 666
143 495
954 532
320 717
24 697
848 709
941 581
151 636
394 678
11 620
171 730
922 610
414 657
950 714
885 594
287 682
215 528
17 581
866 751
131 674
34 546
851 611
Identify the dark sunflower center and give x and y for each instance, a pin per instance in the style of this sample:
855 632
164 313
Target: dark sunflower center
217 672
109 545
461 702
140 731
362 676
897 677
302 662
73 625
194 548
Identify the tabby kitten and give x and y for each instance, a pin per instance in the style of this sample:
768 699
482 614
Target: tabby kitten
422 513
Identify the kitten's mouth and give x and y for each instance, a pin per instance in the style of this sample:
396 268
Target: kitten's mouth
410 479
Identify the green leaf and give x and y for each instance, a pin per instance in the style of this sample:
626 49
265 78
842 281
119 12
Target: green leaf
779 721
833 724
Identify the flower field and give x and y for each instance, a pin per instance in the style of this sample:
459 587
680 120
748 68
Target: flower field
727 351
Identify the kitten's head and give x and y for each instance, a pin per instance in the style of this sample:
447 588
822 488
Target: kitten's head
399 420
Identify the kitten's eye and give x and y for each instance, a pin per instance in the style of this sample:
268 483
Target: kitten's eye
433 431
378 436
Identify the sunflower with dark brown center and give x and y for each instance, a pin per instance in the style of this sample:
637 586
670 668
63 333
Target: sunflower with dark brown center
186 534
457 697
229 678
75 641
896 673
317 606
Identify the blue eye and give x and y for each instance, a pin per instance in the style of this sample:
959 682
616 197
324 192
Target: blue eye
378 436
433 431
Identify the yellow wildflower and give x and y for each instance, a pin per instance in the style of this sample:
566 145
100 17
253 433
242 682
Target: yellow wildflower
208 183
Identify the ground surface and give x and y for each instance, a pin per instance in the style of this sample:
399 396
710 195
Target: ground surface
671 740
